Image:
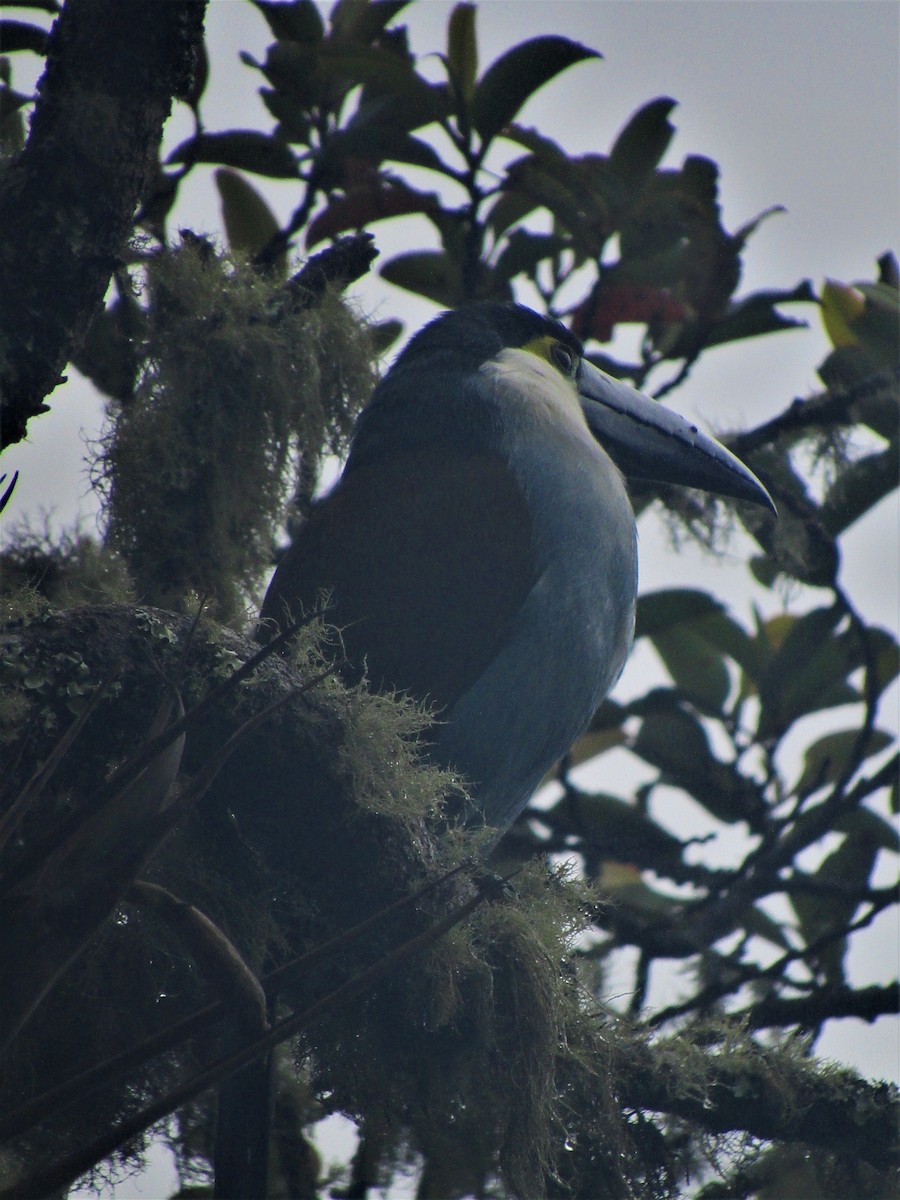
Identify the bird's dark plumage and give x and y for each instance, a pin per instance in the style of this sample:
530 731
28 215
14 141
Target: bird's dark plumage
479 549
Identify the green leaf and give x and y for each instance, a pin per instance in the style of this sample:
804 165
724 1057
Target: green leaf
747 230
659 611
859 487
686 624
511 207
757 314
244 149
462 50
574 191
674 741
364 205
886 655
592 744
290 67
809 672
393 92
363 21
384 334
826 760
293 116
849 868
514 77
406 104
299 21
802 638
376 143
864 823
619 830
534 141
11 102
524 251
639 148
371 65
864 317
429 273
696 667
732 639
840 306
249 222
20 35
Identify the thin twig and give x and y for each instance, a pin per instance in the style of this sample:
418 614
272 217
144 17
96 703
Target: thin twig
61 1174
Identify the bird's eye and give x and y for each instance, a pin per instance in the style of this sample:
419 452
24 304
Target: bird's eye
563 358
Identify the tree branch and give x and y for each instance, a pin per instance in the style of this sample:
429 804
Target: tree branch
764 1093
68 201
826 1004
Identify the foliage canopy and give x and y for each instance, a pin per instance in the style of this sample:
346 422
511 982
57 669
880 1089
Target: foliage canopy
464 1027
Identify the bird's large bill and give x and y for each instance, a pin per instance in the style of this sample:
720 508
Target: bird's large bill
646 440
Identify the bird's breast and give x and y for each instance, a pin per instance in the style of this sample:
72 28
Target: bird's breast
584 544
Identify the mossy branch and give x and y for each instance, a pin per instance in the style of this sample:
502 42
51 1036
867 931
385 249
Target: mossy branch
771 1094
67 203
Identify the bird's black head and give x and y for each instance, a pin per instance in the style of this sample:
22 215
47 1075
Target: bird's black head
429 394
476 333
442 362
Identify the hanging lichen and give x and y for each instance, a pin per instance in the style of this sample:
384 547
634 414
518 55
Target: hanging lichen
240 380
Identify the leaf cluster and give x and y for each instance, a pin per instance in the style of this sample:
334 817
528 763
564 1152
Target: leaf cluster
361 128
492 1059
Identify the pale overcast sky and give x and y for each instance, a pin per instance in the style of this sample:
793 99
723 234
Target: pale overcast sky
797 101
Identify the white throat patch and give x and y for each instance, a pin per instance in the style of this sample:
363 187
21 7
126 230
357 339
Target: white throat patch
525 380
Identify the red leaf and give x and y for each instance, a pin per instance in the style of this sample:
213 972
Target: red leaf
619 303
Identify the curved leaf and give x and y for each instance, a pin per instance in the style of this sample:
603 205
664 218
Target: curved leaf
848 868
376 143
808 673
696 667
534 141
511 207
639 148
840 307
757 314
364 21
462 50
249 222
592 744
620 830
523 252
511 79
574 191
429 273
868 825
674 741
292 115
664 612
244 149
299 21
363 205
20 35
826 760
859 487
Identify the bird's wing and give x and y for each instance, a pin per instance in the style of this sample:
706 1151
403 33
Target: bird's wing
427 558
